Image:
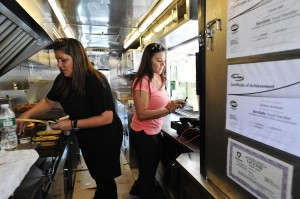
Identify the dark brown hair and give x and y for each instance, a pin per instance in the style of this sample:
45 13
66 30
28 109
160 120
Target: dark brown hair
81 67
145 68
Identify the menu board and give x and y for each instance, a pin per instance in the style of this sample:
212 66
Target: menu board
263 103
262 175
262 26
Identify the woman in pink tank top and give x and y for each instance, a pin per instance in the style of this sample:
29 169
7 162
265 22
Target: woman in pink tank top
151 104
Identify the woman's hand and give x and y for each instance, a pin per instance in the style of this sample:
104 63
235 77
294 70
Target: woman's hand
181 103
64 125
21 125
175 104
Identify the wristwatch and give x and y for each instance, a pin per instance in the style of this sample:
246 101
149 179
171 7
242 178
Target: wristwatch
74 125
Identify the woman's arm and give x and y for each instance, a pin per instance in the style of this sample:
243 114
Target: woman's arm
105 118
100 120
43 106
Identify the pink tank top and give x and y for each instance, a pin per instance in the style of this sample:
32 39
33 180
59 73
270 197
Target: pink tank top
157 100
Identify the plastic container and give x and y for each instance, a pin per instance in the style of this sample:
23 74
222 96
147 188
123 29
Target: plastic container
25 140
9 138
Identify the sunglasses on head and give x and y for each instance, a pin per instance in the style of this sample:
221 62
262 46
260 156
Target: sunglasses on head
157 47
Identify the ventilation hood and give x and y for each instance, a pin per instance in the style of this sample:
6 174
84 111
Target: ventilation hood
20 36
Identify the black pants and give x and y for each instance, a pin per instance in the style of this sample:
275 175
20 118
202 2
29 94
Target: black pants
148 149
106 189
103 162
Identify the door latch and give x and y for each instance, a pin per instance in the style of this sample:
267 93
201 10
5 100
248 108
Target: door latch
201 40
209 31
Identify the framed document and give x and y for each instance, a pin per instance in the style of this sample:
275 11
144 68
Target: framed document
262 26
262 175
263 103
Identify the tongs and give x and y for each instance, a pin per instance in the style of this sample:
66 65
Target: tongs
47 122
39 121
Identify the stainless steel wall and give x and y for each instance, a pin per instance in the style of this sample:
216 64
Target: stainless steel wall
25 74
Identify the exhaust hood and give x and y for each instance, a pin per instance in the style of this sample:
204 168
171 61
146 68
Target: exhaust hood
20 36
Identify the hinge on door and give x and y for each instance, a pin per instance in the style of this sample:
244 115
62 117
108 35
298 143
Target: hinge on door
209 31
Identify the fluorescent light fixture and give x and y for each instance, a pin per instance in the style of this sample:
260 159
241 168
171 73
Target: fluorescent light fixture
159 9
57 10
55 32
59 14
160 26
146 23
133 37
68 32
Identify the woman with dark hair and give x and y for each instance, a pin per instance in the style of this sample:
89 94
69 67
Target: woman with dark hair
151 104
85 95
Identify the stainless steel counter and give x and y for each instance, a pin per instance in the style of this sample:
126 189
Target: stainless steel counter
196 184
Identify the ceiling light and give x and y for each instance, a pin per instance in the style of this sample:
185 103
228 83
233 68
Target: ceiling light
60 16
147 22
160 26
57 10
68 32
159 9
57 35
133 37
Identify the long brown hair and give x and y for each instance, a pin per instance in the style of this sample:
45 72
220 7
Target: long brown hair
81 67
145 68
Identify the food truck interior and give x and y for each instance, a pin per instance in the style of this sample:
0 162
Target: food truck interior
235 138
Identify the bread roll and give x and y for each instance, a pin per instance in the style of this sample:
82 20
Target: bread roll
30 125
49 132
44 138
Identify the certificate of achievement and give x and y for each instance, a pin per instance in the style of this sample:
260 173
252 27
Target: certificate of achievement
263 103
262 175
262 26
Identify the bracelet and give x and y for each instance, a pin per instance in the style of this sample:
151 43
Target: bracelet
74 125
169 110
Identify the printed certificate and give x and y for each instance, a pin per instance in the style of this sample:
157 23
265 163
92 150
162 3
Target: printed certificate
257 172
262 26
263 103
